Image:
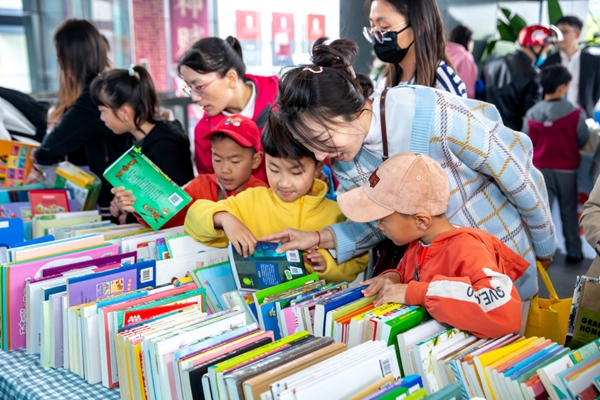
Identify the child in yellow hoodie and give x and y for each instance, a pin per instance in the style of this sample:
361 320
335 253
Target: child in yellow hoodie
295 199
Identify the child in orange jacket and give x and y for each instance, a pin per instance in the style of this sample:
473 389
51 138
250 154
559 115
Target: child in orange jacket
462 276
236 152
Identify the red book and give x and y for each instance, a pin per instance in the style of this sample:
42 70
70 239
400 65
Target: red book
49 201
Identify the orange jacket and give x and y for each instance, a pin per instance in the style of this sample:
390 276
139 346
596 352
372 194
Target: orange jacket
204 187
466 280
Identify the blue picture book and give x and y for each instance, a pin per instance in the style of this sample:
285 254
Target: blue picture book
266 267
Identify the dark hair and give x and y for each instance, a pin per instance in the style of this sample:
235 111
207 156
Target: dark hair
119 87
366 84
461 35
221 136
552 76
213 54
430 40
293 151
570 20
82 54
320 92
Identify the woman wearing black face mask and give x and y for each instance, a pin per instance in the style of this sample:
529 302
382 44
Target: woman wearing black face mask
409 35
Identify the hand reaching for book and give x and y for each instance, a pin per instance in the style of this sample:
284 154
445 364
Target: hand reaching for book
395 293
123 200
378 283
242 239
316 261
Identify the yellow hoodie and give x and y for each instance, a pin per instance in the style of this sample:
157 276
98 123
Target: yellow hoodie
263 212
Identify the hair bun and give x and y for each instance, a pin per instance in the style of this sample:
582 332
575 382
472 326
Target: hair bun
337 54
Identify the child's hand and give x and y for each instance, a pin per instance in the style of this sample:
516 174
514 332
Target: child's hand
242 239
378 283
316 261
392 294
123 199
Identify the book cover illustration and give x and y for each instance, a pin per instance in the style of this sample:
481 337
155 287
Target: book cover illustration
266 267
15 162
49 201
158 198
84 184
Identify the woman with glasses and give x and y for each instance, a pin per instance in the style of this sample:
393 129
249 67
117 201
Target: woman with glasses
214 72
493 184
82 55
409 35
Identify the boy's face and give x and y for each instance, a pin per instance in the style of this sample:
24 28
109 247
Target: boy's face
233 164
400 229
291 181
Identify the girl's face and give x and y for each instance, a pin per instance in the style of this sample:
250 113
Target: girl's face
210 91
344 138
384 17
112 120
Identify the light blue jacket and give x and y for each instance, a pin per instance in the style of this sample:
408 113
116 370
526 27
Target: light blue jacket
493 183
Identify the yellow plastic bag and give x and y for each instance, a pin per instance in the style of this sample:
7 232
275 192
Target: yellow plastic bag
548 317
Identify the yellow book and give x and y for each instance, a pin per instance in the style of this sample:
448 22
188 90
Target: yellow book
356 334
490 357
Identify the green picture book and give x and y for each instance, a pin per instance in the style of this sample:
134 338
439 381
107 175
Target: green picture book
157 198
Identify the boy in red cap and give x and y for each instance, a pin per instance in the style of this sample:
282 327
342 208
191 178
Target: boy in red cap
462 276
236 153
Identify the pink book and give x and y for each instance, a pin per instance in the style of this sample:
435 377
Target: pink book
17 276
57 246
104 336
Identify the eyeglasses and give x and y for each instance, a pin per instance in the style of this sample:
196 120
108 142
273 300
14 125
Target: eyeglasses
372 33
198 89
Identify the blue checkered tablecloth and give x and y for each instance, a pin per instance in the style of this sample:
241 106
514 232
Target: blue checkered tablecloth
23 378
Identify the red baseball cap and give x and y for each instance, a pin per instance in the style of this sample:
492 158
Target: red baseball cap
241 129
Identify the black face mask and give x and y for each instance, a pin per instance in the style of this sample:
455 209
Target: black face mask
389 51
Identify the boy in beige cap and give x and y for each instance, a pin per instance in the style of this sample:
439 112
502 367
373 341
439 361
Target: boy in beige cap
463 276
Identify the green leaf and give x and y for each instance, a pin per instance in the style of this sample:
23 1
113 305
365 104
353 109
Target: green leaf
507 13
554 11
506 32
517 23
489 48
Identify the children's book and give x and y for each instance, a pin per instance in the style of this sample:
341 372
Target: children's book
49 201
85 184
266 267
15 162
158 198
96 286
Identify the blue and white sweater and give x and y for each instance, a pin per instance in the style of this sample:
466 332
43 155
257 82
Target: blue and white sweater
493 183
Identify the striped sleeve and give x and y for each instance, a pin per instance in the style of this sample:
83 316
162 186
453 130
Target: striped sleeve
449 81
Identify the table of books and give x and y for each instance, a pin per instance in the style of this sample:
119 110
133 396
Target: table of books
23 378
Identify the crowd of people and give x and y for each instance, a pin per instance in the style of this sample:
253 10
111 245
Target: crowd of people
460 188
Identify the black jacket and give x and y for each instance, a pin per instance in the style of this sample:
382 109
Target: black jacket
79 127
512 85
589 80
168 147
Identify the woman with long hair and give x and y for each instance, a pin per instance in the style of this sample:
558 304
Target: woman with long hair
409 35
216 78
493 184
82 55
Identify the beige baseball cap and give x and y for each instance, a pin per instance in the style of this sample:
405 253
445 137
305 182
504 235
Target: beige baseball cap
407 183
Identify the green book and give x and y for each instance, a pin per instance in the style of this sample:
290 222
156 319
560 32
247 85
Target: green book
404 322
157 197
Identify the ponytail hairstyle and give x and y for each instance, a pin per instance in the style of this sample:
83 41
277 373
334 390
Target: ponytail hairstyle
133 87
320 93
82 54
213 54
429 34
